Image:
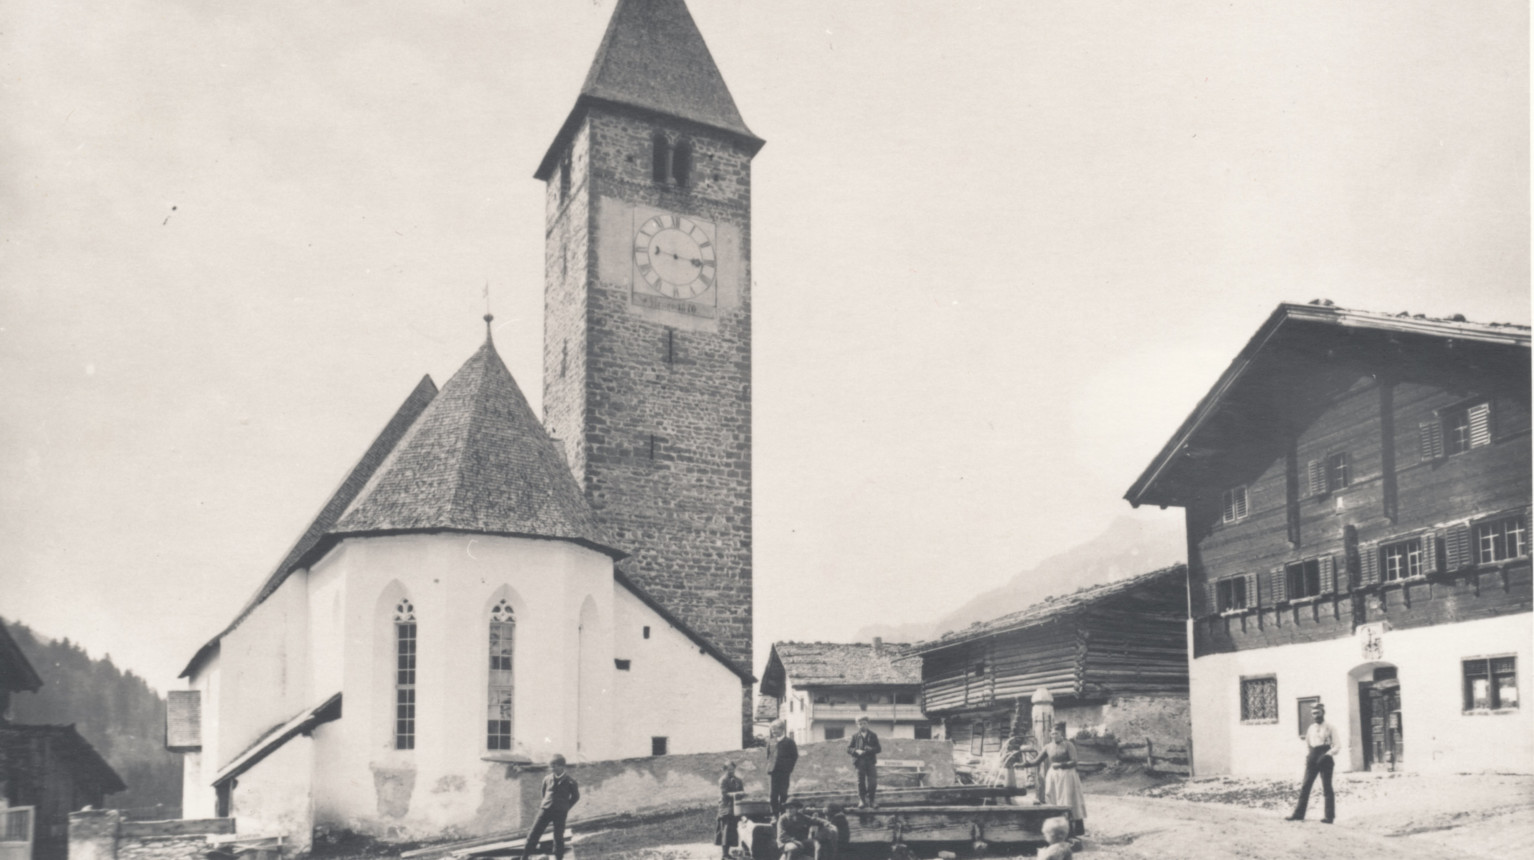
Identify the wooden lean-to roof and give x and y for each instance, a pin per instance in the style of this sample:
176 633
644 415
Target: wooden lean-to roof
653 58
1293 363
16 672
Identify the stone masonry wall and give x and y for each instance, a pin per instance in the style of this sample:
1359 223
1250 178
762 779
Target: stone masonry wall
104 835
657 417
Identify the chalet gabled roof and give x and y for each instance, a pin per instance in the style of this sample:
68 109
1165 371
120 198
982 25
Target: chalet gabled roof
75 751
332 510
16 672
1055 608
826 664
477 460
652 57
1264 376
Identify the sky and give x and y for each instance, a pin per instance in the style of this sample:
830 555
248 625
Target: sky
1000 249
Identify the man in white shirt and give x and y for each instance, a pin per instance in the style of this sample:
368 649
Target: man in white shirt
1320 743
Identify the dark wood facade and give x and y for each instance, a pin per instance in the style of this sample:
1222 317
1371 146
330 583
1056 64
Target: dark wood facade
1122 639
1375 455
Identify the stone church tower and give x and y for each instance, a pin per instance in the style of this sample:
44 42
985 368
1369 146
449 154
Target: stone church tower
647 314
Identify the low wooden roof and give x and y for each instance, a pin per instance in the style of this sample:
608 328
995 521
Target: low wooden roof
838 664
1056 608
84 762
1301 356
16 672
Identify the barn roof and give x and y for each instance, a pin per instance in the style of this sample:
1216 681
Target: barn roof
1286 363
823 664
1054 608
652 57
16 672
84 762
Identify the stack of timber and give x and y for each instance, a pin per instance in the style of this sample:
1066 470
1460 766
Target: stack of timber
958 814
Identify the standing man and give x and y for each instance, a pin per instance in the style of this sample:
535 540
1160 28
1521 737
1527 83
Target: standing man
1320 742
782 755
864 749
559 794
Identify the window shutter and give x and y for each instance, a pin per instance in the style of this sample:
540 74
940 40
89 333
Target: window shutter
1212 595
1328 575
1369 559
1240 500
1315 472
1430 553
1480 424
1456 547
1253 596
1279 585
1431 435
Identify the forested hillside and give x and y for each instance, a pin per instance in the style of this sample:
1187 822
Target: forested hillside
117 711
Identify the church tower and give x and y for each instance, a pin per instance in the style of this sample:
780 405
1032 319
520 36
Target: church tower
647 315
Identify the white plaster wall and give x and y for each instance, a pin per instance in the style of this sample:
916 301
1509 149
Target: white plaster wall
453 581
198 799
672 688
882 728
1439 736
273 798
264 670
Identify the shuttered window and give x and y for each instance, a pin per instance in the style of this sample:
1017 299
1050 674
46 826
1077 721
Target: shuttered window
1456 430
1500 540
1233 504
1310 578
1402 560
1328 475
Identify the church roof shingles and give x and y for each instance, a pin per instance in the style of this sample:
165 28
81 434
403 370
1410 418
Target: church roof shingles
477 460
652 57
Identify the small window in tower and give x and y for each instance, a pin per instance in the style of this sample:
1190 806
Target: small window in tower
657 746
647 631
621 665
661 160
564 178
681 164
564 358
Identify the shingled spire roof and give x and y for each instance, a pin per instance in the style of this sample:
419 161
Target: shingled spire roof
653 58
477 460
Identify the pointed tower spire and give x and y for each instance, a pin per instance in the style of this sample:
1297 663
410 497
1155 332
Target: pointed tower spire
654 58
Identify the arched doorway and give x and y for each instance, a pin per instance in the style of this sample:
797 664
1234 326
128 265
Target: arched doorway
1379 728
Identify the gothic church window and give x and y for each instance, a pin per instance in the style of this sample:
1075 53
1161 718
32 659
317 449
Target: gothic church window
404 676
502 636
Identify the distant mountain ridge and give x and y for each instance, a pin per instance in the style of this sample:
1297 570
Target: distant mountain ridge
1128 547
116 711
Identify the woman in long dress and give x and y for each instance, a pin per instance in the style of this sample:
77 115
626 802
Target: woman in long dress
1062 784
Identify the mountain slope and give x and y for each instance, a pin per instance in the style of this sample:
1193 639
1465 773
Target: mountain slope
1128 547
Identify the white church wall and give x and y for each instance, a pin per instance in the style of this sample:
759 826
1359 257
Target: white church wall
453 582
264 669
198 799
671 689
273 798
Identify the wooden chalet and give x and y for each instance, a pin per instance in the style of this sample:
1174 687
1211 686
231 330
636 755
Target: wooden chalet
1110 656
46 772
824 687
1357 491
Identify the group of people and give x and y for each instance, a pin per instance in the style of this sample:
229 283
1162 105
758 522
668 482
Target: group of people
1057 781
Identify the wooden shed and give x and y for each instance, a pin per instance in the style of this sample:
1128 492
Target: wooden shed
1113 656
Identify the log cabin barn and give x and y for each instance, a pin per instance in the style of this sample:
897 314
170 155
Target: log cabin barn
823 688
1113 657
46 771
1356 488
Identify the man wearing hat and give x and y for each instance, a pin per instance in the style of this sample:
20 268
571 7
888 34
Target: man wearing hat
864 749
727 826
559 794
782 755
1320 742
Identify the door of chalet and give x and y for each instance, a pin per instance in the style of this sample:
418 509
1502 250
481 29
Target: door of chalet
1384 738
16 831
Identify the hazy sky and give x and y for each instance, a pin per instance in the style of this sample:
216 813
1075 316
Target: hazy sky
1001 248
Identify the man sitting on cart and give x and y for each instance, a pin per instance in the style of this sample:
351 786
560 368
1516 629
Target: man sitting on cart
802 836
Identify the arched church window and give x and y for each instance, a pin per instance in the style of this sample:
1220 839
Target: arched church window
502 636
404 676
681 164
661 160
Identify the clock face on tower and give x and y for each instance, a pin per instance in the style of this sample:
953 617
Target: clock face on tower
674 259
